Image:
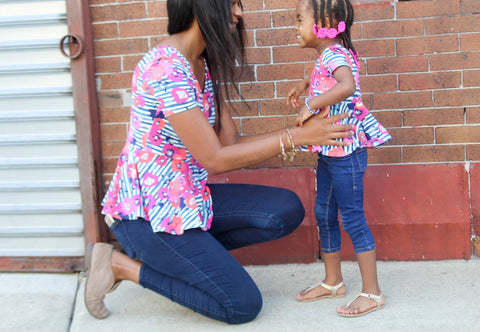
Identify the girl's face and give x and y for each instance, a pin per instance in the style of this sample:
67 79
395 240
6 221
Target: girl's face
304 25
237 13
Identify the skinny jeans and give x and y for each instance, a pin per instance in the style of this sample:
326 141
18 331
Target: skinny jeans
340 187
195 269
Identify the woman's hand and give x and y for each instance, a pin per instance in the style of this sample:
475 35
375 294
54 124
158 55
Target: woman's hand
319 130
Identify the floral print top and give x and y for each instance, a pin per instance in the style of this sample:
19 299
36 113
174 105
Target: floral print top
368 132
156 176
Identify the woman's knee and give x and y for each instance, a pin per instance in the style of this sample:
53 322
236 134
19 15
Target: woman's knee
246 307
291 210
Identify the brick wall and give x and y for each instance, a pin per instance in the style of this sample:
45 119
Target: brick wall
420 72
420 77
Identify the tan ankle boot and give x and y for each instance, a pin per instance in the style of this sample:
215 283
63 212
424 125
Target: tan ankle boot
100 279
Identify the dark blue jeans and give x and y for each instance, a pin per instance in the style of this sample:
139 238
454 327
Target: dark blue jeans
340 187
195 269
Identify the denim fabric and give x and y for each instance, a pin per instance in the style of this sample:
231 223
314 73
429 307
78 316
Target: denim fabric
195 269
340 187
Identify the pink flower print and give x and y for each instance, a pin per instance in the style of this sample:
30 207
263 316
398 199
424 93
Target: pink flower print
362 138
180 95
336 152
178 165
127 206
148 88
360 111
150 180
132 171
173 225
163 193
161 160
144 156
135 122
206 194
175 76
315 148
155 131
191 202
382 129
149 201
137 200
138 101
170 150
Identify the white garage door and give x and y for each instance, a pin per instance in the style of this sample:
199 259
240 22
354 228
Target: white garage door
40 202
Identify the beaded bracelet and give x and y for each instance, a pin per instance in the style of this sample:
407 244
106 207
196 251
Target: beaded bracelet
309 108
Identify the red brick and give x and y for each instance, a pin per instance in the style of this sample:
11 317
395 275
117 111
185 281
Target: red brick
257 90
473 115
473 153
452 24
108 167
463 134
412 9
100 2
143 28
131 61
471 78
157 9
115 81
455 61
411 136
271 37
424 81
280 72
284 18
460 97
384 155
470 6
257 20
424 154
115 115
249 38
426 45
252 5
261 125
388 119
110 98
282 88
293 54
108 65
470 41
279 4
374 12
113 132
379 83
431 117
402 100
257 55
118 12
105 31
404 64
243 108
112 149
120 47
376 48
276 107
389 29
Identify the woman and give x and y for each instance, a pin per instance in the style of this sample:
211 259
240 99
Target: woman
176 229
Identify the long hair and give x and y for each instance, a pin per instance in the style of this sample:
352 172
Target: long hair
224 50
341 10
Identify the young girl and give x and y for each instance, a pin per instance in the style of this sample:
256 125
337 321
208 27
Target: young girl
334 88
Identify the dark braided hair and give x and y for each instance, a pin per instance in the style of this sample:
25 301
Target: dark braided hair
341 10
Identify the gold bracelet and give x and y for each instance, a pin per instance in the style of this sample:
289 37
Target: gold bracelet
290 139
282 148
291 154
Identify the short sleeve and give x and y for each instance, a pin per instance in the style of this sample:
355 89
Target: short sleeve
333 60
175 90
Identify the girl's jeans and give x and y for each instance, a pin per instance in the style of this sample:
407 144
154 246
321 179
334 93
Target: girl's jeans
195 269
340 187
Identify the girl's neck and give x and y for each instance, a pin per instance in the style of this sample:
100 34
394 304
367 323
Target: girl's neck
325 43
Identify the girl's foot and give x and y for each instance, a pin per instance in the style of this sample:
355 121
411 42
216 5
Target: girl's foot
362 305
322 291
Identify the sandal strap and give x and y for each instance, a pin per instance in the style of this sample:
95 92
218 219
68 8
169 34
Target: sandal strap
376 298
332 289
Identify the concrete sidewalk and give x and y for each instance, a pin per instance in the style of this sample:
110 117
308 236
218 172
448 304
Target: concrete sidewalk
420 296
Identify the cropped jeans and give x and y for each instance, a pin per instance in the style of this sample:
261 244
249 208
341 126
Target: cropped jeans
195 269
340 187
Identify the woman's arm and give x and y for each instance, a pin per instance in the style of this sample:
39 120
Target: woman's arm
227 151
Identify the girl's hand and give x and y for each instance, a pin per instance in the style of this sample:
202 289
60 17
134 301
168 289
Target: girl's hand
302 116
295 93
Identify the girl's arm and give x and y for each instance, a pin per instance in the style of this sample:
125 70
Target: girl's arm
344 88
227 151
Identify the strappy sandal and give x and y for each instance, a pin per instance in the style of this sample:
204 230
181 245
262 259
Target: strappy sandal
376 298
333 292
